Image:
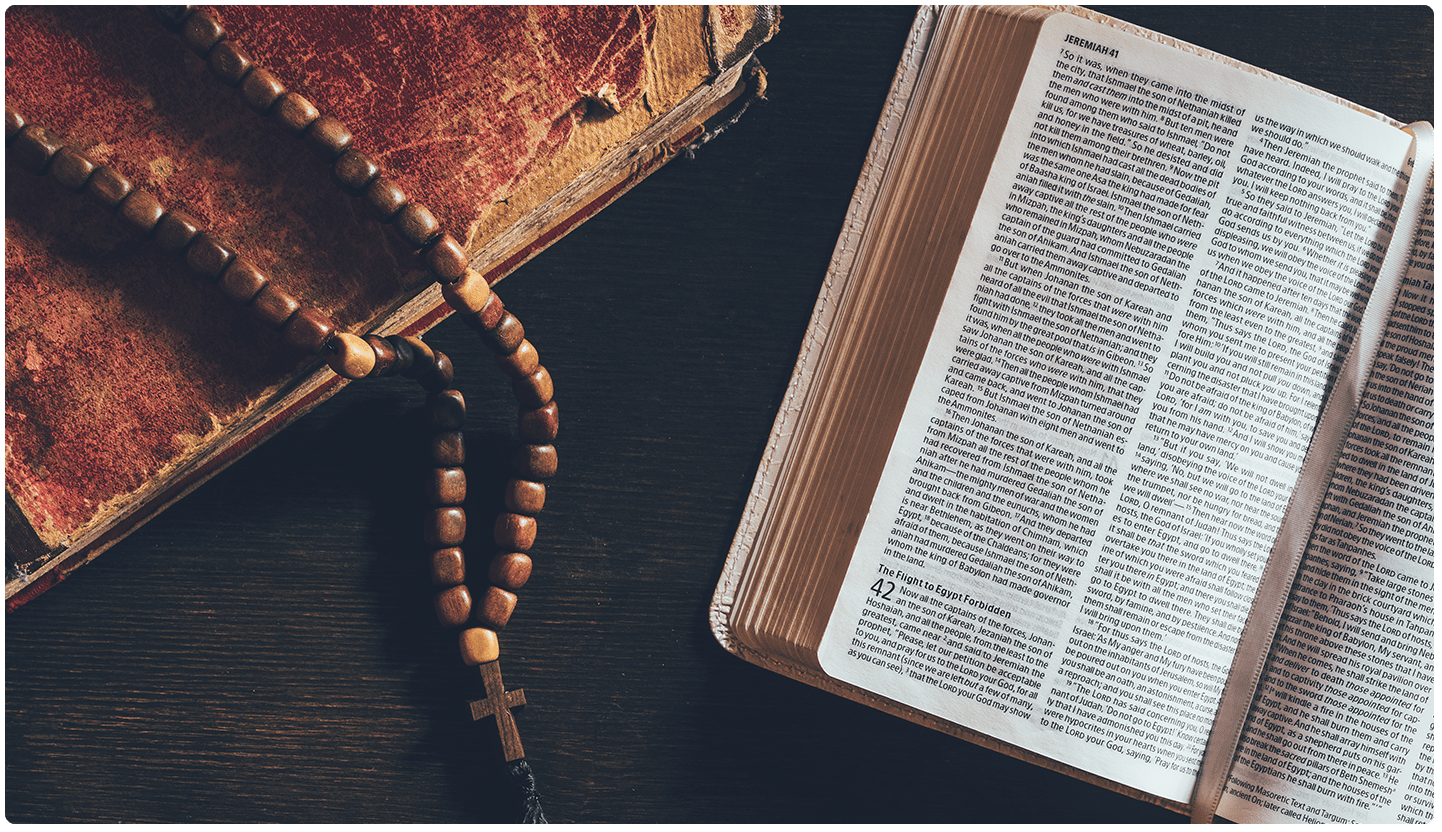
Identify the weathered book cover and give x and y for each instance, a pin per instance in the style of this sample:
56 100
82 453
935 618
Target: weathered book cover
128 382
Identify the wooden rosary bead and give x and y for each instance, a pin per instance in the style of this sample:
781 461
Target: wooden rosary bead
208 256
515 531
405 354
14 123
446 487
534 390
385 198
385 355
431 369
34 147
521 363
494 608
479 646
540 426
173 17
445 526
448 448
510 570
108 187
295 112
175 230
308 330
274 307
140 212
350 356
229 62
447 261
506 335
71 169
416 224
447 410
490 314
453 606
444 375
329 138
525 496
469 294
261 89
535 462
241 281
355 171
448 566
202 32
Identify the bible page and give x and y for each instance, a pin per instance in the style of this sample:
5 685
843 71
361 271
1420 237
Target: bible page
1342 726
1167 263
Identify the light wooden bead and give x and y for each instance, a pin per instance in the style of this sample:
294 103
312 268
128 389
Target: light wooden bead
525 497
453 606
469 294
510 570
445 526
446 487
515 531
350 356
534 389
494 607
479 646
521 363
448 566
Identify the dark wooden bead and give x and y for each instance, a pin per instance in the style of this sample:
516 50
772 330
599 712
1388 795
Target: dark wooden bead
108 187
510 570
405 354
447 262
494 607
448 566
34 147
242 281
71 169
355 171
140 212
505 336
539 426
447 410
173 17
446 486
175 230
534 390
535 462
14 123
521 363
441 376
261 89
421 352
384 198
525 496
445 526
274 307
448 448
328 138
453 606
229 62
515 531
416 224
385 355
202 32
208 256
295 112
308 330
490 314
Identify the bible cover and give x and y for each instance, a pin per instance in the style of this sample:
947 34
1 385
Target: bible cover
128 382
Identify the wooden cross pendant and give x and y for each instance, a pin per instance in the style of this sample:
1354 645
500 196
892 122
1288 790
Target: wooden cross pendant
498 703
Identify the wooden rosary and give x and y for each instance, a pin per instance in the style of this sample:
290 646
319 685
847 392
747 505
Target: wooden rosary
39 151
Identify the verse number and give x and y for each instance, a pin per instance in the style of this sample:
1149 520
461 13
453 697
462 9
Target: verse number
882 589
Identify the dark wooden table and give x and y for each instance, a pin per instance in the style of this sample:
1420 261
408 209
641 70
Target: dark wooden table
266 651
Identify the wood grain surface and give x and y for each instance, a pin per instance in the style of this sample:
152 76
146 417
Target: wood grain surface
266 650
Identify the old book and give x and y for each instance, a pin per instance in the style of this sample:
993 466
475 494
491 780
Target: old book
1117 398
128 382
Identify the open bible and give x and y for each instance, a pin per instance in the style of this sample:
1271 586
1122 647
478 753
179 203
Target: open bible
1110 441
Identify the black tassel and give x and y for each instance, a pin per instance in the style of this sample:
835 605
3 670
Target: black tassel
523 781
